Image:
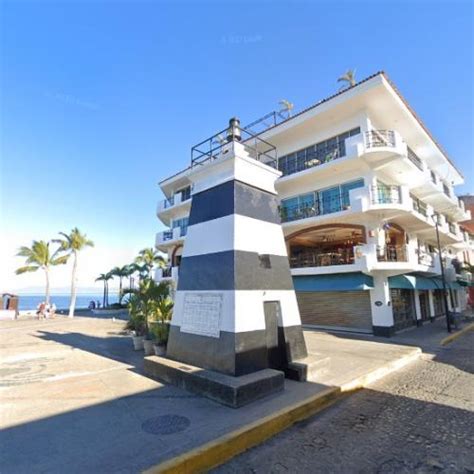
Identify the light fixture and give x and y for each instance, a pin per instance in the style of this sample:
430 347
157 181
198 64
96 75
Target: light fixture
233 132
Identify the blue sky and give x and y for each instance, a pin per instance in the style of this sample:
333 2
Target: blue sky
101 100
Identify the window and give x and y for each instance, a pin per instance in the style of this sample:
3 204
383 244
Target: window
345 188
317 154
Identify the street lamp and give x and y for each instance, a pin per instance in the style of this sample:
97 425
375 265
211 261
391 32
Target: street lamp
443 279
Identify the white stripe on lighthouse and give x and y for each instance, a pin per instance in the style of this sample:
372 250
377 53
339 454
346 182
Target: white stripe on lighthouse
235 232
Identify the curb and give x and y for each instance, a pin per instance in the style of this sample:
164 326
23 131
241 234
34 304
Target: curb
224 448
452 337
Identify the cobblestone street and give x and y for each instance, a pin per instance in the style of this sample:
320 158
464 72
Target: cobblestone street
420 419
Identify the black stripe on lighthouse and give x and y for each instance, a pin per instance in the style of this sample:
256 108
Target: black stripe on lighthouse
234 197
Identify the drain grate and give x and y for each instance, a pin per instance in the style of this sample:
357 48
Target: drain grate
165 424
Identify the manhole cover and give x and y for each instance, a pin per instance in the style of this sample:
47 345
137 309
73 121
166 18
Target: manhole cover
165 424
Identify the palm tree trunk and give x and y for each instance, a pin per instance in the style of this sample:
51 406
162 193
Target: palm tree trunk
72 304
46 273
120 289
103 298
107 294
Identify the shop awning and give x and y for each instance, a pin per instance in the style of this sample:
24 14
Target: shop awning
333 282
415 282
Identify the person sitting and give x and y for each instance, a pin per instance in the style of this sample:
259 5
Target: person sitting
41 310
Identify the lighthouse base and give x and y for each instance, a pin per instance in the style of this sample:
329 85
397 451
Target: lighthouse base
225 389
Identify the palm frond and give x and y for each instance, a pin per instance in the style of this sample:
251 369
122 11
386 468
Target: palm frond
27 269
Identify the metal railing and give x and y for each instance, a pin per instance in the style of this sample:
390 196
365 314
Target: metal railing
168 235
433 177
267 121
413 157
419 206
392 253
379 138
166 272
323 258
385 194
319 207
215 147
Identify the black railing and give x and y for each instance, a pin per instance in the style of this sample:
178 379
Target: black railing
419 206
166 272
380 138
385 194
321 205
168 235
267 121
392 253
323 258
216 147
413 157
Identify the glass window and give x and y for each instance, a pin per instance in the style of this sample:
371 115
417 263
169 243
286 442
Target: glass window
330 200
345 188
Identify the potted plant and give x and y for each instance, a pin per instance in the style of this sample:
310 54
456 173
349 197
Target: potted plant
160 332
151 301
136 322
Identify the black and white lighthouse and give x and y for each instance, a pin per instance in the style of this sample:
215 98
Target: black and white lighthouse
235 310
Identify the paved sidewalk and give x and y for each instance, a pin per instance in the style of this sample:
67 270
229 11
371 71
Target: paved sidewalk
419 419
73 394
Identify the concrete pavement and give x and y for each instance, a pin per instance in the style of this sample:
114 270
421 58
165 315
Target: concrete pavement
419 419
73 394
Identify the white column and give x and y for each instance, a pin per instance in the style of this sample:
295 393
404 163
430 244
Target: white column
382 314
431 303
417 304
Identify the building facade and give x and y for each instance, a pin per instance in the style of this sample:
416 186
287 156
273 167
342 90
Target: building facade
364 188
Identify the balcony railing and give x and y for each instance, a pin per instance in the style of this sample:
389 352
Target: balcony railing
379 138
168 235
216 146
419 206
321 206
433 177
385 194
167 272
413 157
322 258
392 253
452 228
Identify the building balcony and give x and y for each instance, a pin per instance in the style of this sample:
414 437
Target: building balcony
166 274
170 236
167 208
392 253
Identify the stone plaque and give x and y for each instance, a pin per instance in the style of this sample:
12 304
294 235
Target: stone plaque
202 314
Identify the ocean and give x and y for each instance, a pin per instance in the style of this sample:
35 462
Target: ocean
28 302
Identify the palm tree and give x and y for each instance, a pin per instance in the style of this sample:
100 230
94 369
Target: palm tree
72 244
121 273
105 277
39 257
150 258
348 78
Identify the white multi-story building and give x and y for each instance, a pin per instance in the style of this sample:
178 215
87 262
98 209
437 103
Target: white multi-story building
363 187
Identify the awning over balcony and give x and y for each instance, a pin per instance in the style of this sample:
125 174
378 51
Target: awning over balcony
412 282
333 282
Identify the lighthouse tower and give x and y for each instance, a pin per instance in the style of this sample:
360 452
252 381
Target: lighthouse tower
235 309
